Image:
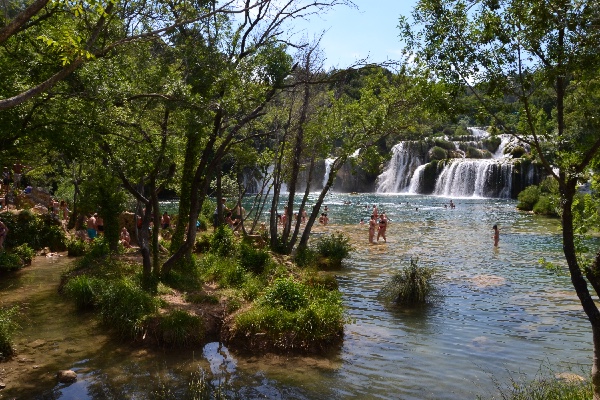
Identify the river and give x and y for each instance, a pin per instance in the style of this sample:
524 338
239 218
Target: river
500 315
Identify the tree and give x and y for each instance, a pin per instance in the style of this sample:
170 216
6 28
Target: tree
542 57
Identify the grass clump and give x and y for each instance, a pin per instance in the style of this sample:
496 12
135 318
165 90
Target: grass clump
547 386
412 285
253 259
84 290
179 328
76 248
8 326
333 249
292 316
124 305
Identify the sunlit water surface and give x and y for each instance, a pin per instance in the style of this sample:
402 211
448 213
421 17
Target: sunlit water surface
500 316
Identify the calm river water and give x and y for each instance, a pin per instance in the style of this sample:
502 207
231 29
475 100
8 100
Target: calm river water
500 315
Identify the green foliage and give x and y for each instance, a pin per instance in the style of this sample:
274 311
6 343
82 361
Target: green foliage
77 247
8 326
10 261
227 272
547 386
305 257
179 328
472 152
542 199
286 294
124 306
528 198
253 259
311 317
321 280
84 290
24 252
518 152
335 246
36 231
444 144
437 153
410 286
223 241
202 243
492 143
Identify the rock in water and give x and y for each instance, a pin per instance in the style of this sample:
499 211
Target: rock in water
66 376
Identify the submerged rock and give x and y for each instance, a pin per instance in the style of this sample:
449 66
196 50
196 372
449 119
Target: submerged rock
66 376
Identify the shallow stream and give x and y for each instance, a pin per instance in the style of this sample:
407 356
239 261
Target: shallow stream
500 316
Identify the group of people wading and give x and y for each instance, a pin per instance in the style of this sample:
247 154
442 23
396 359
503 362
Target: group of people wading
377 223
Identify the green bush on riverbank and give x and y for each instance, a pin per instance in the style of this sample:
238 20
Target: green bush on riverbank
8 326
289 308
37 231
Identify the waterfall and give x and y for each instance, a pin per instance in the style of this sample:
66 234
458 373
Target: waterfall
401 168
328 162
475 178
411 171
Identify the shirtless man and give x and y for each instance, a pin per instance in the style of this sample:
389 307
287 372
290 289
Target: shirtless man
91 227
496 235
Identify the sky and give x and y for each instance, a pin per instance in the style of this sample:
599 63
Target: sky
352 34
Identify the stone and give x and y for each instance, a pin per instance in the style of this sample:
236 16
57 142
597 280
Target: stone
66 376
2 385
37 343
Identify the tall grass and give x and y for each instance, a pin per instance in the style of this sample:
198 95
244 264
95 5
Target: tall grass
8 326
412 285
178 328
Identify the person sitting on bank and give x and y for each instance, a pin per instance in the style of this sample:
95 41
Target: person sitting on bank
125 238
165 221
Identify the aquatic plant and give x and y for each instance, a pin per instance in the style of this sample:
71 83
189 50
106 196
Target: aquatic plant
546 386
8 326
334 247
409 286
76 248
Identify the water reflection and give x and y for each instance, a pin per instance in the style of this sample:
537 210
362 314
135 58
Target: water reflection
499 311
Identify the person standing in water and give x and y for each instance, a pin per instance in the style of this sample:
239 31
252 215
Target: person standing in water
372 227
496 236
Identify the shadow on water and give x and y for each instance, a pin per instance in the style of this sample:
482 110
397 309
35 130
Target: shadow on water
500 312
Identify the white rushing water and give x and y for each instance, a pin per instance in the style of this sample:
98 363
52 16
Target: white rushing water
457 177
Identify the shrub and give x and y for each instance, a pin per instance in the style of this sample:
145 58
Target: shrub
437 153
411 285
37 231
321 280
25 253
286 294
305 257
10 261
178 328
518 152
444 144
124 306
202 243
336 246
312 318
528 197
545 206
252 259
8 326
76 248
84 290
226 271
492 143
222 241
